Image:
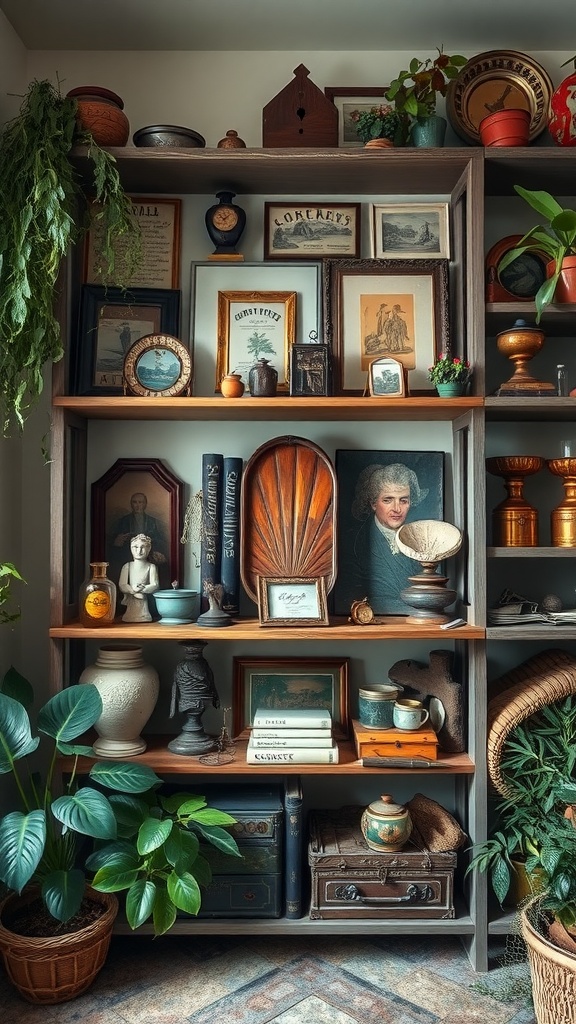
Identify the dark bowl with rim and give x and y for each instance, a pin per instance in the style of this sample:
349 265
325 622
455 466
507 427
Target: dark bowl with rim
168 136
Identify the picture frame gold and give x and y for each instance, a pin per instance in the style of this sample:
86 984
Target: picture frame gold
292 601
252 325
159 219
281 683
157 366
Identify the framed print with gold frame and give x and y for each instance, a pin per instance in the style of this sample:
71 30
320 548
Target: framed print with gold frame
159 221
347 99
157 366
292 601
282 683
386 378
253 325
391 308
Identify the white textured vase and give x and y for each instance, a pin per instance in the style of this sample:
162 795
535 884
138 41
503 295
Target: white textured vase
128 688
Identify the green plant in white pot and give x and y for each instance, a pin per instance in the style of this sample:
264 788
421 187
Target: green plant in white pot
557 241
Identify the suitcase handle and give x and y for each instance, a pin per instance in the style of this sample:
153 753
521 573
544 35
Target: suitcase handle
352 894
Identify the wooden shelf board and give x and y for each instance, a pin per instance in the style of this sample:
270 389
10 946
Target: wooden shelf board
461 925
251 409
557 319
529 166
532 631
530 409
394 627
164 762
538 552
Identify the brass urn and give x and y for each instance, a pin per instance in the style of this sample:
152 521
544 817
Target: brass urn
520 344
563 517
514 520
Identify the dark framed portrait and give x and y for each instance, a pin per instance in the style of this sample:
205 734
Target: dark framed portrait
111 321
378 492
280 683
138 496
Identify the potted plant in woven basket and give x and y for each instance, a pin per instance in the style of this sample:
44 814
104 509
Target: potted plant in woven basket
55 928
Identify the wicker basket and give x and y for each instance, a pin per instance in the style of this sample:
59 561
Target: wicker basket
54 970
541 680
553 973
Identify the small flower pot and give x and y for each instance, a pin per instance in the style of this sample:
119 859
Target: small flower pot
232 386
451 389
506 128
379 144
566 285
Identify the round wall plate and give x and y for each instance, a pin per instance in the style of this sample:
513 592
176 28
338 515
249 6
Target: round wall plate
495 80
157 366
519 281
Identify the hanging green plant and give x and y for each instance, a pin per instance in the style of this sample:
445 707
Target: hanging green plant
44 211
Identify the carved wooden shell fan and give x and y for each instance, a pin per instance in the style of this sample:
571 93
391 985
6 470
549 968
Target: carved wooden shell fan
288 515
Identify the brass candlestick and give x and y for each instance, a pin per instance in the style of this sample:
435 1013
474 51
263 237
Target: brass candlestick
563 517
520 344
514 520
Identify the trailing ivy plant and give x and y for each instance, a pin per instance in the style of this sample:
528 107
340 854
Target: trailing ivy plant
44 211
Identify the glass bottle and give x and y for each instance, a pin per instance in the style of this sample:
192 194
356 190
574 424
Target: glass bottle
561 382
97 598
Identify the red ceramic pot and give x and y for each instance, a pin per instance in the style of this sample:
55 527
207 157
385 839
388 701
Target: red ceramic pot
101 112
562 124
566 286
509 127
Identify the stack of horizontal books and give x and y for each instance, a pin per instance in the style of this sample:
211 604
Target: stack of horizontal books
292 736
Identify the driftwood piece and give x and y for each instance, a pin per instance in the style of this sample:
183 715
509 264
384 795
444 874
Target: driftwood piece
435 680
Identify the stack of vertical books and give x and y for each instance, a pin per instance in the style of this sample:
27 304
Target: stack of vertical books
292 736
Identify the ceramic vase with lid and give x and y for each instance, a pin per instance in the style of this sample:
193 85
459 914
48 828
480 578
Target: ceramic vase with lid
101 112
128 688
262 379
386 825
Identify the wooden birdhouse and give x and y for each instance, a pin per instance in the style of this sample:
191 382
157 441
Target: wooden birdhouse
300 115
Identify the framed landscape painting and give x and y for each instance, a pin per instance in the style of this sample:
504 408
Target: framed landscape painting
281 683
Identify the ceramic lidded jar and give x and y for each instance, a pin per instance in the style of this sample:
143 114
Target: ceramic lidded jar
262 379
128 688
101 112
386 825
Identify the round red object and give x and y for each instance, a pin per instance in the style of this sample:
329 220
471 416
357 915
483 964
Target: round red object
562 124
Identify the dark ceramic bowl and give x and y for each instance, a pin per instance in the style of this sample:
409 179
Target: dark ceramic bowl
168 135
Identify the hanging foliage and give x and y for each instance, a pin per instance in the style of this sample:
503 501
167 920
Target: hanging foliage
44 211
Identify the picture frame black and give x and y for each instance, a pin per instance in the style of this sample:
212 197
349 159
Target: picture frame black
110 321
310 370
378 492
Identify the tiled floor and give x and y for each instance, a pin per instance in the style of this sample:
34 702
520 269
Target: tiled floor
226 980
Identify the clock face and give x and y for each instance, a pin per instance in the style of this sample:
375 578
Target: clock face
224 218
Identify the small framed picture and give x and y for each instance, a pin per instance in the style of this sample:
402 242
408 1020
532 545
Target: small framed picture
409 231
311 230
157 366
386 378
111 320
281 683
255 325
348 99
159 222
292 601
310 369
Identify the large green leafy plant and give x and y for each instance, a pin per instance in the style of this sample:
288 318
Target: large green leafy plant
44 204
556 240
151 850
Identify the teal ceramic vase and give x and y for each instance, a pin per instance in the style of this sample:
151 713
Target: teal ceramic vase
428 132
451 389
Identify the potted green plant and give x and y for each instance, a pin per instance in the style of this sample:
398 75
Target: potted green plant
54 927
44 211
8 573
415 91
381 122
557 240
450 375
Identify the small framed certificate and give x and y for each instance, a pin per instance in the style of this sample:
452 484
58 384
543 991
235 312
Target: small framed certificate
292 602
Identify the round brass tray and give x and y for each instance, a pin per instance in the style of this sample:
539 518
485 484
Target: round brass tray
494 80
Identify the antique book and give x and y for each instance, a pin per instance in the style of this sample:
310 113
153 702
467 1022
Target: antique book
285 732
293 847
292 755
302 740
232 477
292 718
211 530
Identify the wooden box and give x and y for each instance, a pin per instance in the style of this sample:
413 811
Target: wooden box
349 880
421 742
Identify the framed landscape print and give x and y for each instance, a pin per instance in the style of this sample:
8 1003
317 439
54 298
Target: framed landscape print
281 683
391 308
311 230
380 491
400 231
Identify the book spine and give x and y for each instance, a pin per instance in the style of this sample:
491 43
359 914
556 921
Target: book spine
291 741
271 721
293 848
282 734
211 534
292 755
232 476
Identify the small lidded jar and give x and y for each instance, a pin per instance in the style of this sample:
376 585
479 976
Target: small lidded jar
97 598
386 825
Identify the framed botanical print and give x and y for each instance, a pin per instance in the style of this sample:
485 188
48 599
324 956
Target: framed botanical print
253 325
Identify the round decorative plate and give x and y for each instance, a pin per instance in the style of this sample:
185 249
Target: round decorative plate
494 80
437 713
157 366
520 280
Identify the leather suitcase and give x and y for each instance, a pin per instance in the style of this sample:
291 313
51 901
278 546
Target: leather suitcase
349 880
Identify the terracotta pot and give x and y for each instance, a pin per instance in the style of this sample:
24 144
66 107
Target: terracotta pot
379 144
509 127
566 286
101 112
232 386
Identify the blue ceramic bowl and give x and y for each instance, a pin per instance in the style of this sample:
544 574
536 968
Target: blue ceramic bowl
177 607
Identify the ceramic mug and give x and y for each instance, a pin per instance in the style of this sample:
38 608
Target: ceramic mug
409 714
376 705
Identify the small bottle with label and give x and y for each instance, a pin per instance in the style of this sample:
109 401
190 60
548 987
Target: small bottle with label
97 599
561 382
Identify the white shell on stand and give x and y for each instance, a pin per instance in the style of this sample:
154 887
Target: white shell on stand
429 540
